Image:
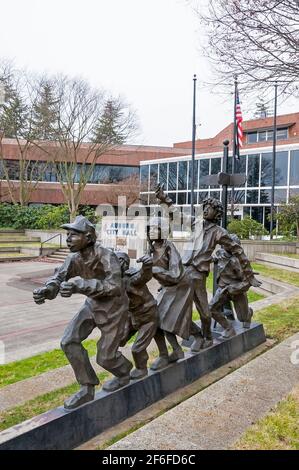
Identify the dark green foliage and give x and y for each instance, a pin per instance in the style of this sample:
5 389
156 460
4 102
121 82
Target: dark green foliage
246 228
90 213
43 217
34 217
45 113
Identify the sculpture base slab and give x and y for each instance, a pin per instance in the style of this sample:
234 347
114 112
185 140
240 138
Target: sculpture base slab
62 429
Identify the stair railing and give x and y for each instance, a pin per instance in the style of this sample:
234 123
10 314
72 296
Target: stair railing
51 238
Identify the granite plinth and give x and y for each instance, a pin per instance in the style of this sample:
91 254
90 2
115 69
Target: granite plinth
62 429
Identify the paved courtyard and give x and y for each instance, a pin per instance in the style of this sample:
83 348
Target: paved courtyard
27 328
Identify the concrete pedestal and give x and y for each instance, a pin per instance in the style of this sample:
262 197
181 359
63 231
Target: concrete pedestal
61 429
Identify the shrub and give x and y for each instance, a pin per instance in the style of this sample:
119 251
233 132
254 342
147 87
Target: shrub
246 228
42 217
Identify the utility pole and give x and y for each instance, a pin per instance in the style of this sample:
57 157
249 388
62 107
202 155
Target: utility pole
273 162
193 147
234 147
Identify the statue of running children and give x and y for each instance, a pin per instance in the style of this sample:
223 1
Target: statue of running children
105 307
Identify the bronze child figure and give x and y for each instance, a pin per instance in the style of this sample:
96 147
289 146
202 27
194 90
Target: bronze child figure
232 285
175 297
207 235
143 312
105 307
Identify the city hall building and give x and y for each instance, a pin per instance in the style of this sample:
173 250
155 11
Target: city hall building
134 170
254 197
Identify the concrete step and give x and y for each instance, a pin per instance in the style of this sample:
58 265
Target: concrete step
278 261
15 257
10 249
21 240
11 232
56 256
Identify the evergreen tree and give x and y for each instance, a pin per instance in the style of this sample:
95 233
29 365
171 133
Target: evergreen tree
13 112
44 112
112 127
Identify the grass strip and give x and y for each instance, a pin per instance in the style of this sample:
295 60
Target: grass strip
279 430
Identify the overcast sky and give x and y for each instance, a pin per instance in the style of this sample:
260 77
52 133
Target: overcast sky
145 50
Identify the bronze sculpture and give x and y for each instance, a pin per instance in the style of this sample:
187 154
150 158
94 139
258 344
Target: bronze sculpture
105 307
143 313
207 236
174 297
232 286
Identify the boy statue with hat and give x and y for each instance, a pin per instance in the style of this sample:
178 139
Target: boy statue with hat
95 272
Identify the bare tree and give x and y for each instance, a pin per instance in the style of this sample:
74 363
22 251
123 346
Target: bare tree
23 174
257 40
80 138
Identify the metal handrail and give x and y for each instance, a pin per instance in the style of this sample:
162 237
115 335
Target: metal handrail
51 238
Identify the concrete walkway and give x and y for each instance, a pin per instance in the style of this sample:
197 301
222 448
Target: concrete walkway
217 417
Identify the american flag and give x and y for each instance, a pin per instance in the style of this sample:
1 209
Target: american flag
238 124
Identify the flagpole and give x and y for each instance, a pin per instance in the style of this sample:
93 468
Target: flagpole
193 147
234 145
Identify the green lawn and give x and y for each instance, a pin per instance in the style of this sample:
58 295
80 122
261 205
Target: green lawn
252 296
35 365
279 430
39 405
281 320
279 274
288 255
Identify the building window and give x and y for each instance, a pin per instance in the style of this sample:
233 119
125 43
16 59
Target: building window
251 137
281 168
163 174
182 198
202 195
280 196
294 167
182 180
195 174
282 134
263 136
172 176
266 169
253 170
252 196
153 177
144 172
265 196
204 169
172 197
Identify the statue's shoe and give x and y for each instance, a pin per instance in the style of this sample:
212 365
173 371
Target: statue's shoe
196 346
228 333
116 383
138 373
246 324
207 343
176 355
85 394
160 363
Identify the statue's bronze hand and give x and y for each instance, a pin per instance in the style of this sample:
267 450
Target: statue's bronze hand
159 192
40 295
67 289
